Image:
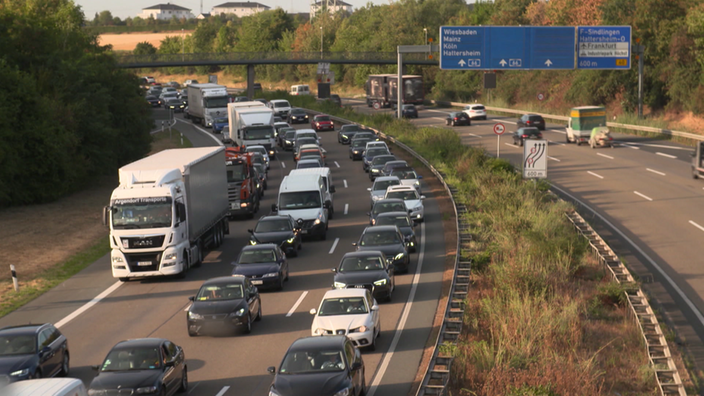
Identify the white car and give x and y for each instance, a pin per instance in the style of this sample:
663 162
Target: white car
408 177
475 111
262 150
381 184
350 312
411 198
376 145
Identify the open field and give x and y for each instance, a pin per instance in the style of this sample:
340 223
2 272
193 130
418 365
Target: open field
128 41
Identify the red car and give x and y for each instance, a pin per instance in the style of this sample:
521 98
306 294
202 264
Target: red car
322 122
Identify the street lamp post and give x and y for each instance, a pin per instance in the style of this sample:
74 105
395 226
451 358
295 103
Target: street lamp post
183 45
321 42
426 36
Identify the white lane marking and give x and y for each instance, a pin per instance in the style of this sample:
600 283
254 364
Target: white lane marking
336 164
192 388
298 302
347 207
438 118
209 134
594 174
642 195
223 390
658 146
554 159
87 305
471 134
508 122
629 146
283 164
604 155
696 225
345 182
557 143
402 321
652 262
187 307
555 130
510 145
654 171
334 245
666 155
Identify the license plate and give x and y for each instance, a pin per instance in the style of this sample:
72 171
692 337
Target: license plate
304 231
257 282
144 263
359 286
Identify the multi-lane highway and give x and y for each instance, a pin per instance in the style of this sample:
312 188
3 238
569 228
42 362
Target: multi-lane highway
650 208
95 311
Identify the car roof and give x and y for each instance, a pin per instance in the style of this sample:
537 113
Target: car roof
396 162
341 293
393 214
364 253
225 279
282 123
23 329
259 246
318 342
278 101
139 342
306 130
378 228
322 115
401 187
390 200
386 178
275 217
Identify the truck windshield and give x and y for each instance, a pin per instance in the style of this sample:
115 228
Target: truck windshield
235 173
141 213
300 200
216 101
259 132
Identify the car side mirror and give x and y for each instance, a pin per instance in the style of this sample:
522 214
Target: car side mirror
420 177
328 204
312 311
370 189
251 231
375 307
422 197
334 270
369 213
95 367
170 363
274 208
354 243
271 370
192 298
332 189
356 366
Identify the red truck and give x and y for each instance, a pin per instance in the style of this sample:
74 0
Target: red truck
241 183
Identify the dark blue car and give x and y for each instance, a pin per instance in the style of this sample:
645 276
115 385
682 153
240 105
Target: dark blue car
265 264
219 123
33 351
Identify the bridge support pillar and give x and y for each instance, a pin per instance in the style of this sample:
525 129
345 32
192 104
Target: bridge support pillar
250 81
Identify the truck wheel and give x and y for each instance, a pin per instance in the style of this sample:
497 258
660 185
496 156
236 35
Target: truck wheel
200 256
579 142
567 138
124 280
695 175
332 213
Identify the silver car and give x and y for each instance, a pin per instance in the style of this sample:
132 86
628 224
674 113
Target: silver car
378 189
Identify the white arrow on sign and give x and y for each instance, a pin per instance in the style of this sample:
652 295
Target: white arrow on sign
548 63
502 63
462 62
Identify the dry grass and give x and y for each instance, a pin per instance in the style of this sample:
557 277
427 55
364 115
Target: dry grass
128 41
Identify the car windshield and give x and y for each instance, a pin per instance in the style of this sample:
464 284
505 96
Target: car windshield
530 131
375 238
401 221
273 226
308 164
381 160
360 143
176 101
404 195
351 264
144 358
310 153
406 175
365 135
282 104
381 207
298 112
343 306
300 200
220 292
301 141
382 185
259 132
322 118
349 128
307 135
235 173
221 120
17 345
477 107
290 135
257 256
312 362
261 150
376 151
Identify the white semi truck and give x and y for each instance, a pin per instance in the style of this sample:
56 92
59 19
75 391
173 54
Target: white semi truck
207 102
168 208
253 126
232 109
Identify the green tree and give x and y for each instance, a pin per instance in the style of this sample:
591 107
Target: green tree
144 48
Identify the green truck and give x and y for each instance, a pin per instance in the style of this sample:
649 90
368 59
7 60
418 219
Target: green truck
582 121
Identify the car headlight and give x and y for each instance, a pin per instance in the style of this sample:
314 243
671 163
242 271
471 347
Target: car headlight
290 240
306 117
270 275
320 331
271 152
117 259
380 282
273 393
194 316
239 312
417 208
171 256
399 256
339 285
317 221
360 329
417 183
19 373
288 142
252 242
375 170
376 197
345 137
344 392
373 221
147 390
356 151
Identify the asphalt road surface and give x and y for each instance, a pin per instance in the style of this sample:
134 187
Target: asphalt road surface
642 195
95 311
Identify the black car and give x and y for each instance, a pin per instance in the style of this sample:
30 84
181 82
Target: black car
522 134
281 230
409 111
369 155
33 351
227 303
152 100
265 265
391 165
259 180
531 120
367 134
142 366
404 224
365 269
357 147
386 205
281 136
347 132
378 163
288 139
241 99
458 118
175 104
297 116
320 366
388 240
281 128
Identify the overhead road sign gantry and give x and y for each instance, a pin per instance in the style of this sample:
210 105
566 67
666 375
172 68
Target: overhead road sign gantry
507 47
603 47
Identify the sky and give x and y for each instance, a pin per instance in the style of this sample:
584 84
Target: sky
130 8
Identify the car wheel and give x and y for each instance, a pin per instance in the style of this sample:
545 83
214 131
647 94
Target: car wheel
300 245
191 333
200 255
266 185
184 382
453 123
124 279
363 391
259 313
372 346
695 173
248 325
567 138
163 391
64 366
37 374
280 286
520 143
514 142
324 236
332 213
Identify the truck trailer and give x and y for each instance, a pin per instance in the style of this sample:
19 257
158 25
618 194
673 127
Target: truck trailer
207 102
168 208
251 126
382 90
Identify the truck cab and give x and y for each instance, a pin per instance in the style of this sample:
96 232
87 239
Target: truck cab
581 122
698 160
241 183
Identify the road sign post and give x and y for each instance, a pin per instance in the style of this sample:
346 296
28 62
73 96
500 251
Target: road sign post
499 130
535 159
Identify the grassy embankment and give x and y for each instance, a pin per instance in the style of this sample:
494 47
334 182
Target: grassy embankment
542 317
35 284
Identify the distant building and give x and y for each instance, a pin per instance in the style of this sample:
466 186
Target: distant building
203 15
332 6
165 12
240 9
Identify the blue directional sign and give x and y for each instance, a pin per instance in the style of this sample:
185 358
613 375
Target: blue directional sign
507 47
603 47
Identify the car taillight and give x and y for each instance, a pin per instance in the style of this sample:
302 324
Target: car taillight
527 122
540 135
456 118
524 136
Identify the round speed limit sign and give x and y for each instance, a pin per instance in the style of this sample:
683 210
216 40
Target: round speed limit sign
499 128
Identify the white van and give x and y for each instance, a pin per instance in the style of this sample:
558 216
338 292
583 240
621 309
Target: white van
303 197
300 90
280 107
46 387
329 187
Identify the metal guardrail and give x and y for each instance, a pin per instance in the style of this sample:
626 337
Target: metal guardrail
666 374
639 128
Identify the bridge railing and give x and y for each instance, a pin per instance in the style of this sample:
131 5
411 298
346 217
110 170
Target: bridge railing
269 57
